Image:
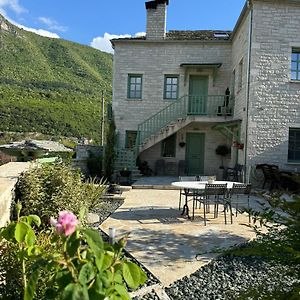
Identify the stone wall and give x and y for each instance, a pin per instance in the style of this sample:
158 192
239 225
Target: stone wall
8 178
240 49
274 97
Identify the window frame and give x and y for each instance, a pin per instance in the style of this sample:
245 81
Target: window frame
171 76
240 75
297 61
292 152
171 139
127 132
129 84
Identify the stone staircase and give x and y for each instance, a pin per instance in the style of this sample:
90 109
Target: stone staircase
181 113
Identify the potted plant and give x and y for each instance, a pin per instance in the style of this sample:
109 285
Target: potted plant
223 150
238 145
125 173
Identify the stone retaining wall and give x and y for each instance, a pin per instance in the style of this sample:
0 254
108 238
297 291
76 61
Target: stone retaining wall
9 174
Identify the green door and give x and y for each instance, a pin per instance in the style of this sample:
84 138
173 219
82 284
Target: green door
198 90
195 153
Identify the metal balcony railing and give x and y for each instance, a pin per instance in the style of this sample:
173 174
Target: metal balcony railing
196 105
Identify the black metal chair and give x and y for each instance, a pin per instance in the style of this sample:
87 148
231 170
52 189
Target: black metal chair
218 192
234 174
239 190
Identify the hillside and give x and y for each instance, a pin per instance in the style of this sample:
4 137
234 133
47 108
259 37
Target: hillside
51 86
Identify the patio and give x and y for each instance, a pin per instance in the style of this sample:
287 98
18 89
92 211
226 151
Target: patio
167 243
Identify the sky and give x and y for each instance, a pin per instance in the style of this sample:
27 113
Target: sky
94 22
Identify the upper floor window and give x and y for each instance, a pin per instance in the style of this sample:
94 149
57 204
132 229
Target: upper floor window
240 75
135 86
171 87
295 67
294 145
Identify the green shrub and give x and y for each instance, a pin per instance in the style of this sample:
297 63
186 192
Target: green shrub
49 188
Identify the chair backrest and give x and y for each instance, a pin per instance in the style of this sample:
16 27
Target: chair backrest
203 178
187 178
215 189
243 188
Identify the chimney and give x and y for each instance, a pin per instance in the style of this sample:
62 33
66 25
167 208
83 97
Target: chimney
156 19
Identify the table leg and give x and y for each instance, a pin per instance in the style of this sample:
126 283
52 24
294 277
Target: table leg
185 209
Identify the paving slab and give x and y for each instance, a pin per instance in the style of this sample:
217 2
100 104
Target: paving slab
168 244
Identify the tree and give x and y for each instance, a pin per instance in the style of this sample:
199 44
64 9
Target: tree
109 152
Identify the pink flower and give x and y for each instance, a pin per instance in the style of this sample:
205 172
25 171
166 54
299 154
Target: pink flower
66 223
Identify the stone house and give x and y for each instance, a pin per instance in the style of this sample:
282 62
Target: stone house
178 95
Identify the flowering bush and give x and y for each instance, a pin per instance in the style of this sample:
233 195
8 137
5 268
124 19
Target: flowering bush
81 265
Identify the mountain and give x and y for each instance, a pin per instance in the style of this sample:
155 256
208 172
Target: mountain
50 85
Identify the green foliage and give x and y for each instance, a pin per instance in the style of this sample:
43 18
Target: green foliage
79 266
51 86
109 153
50 188
94 164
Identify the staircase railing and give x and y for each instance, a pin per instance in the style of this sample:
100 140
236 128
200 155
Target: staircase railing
205 105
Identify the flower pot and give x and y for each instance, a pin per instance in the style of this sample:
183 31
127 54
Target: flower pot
125 173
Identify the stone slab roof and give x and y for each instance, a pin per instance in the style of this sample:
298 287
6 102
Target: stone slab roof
198 35
201 35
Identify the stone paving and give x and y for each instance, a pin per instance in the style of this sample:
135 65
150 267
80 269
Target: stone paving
167 243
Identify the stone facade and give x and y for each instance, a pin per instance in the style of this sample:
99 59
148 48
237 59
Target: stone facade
274 104
255 63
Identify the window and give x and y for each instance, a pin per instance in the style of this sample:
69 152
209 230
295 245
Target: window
169 146
130 139
233 83
171 87
294 145
295 67
134 86
240 75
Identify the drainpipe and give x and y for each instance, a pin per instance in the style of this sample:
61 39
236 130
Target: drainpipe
247 172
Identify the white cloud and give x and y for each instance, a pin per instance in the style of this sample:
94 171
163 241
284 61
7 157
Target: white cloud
52 24
103 43
13 5
41 32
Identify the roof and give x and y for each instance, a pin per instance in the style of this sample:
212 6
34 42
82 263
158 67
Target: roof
49 146
179 35
211 35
